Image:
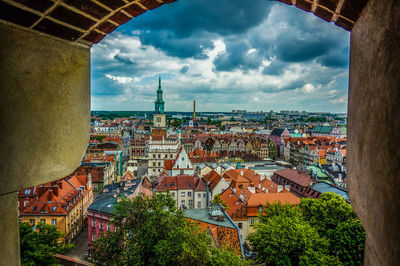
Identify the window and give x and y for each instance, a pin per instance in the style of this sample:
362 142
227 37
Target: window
53 221
173 194
189 193
183 203
34 208
199 195
93 223
191 203
159 164
27 191
159 155
204 195
252 221
94 237
260 209
54 208
108 227
32 221
43 221
183 194
199 204
183 159
240 225
101 225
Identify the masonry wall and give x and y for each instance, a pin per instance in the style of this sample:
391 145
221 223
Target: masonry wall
45 117
373 129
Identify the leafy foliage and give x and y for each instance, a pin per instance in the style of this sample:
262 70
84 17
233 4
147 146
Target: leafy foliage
39 245
176 122
152 231
322 231
217 199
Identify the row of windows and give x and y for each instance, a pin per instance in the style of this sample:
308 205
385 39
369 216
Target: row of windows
53 221
102 225
183 204
189 194
165 156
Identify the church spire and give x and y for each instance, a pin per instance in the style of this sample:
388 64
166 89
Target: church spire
159 103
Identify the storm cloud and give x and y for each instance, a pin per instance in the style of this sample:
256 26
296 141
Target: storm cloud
226 54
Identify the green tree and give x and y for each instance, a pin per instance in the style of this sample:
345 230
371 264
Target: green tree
335 235
222 257
284 240
327 212
152 231
217 199
39 245
348 242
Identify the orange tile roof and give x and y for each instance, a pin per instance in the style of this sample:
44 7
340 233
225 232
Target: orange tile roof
213 178
261 199
232 200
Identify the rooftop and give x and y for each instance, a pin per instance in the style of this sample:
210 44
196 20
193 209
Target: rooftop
107 198
323 187
205 215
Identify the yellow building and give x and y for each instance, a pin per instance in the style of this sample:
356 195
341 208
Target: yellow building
62 203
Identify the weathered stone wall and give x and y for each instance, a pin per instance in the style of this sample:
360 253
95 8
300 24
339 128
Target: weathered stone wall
45 117
44 108
374 128
9 236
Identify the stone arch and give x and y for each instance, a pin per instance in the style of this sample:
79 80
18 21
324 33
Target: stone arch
55 108
86 22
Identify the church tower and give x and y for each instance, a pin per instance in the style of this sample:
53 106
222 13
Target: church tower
159 103
159 118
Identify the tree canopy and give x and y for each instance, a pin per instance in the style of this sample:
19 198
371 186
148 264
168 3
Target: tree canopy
39 245
322 231
152 231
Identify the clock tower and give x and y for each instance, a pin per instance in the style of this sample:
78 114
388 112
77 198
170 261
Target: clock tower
159 117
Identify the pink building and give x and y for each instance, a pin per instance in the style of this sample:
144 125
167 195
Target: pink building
102 208
278 134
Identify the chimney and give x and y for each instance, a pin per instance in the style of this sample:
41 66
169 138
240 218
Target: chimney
50 194
194 110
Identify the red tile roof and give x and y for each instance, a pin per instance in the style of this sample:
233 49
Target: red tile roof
295 176
261 199
213 178
180 182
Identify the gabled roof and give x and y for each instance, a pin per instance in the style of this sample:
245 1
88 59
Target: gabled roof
232 200
212 178
277 132
128 175
295 176
108 196
261 199
59 197
180 182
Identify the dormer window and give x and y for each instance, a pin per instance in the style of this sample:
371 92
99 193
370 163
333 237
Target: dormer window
54 208
27 191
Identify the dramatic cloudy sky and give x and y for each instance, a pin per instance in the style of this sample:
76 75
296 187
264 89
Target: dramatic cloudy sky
225 55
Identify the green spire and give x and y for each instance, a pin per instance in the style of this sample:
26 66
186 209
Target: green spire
159 103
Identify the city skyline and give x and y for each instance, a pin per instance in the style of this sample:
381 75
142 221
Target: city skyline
263 57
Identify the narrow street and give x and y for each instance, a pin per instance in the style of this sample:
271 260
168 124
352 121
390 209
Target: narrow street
81 246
